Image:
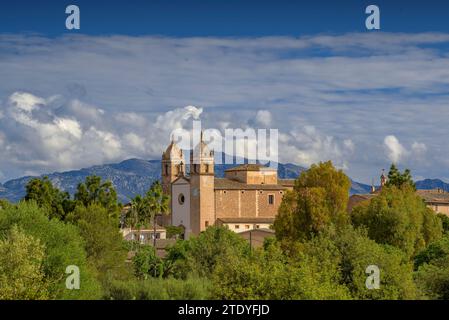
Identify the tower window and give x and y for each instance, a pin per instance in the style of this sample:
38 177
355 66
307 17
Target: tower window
270 199
206 223
181 199
166 169
207 168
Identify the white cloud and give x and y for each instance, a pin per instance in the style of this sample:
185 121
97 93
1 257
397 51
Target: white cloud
395 150
263 117
419 148
307 145
353 93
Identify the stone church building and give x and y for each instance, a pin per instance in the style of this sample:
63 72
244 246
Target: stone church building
247 198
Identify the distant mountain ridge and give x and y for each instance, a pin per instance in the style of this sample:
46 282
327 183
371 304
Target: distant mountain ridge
129 177
135 176
428 184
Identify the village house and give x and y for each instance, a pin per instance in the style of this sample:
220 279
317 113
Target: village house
436 199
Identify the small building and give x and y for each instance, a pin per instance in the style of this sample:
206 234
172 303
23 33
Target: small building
436 199
256 237
240 225
145 236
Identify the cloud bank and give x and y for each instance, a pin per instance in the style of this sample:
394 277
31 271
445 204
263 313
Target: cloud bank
361 100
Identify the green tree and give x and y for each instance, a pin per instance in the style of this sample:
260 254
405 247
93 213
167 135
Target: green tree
432 264
147 264
356 253
63 247
174 232
158 201
138 216
144 209
398 179
21 267
270 274
445 222
399 217
319 198
57 203
160 289
199 255
96 191
102 240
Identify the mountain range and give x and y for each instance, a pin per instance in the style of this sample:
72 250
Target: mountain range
135 176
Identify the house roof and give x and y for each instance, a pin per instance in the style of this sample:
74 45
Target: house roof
434 196
247 220
228 184
261 230
287 182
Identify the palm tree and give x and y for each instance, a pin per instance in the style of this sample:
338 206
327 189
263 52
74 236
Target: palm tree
158 204
137 216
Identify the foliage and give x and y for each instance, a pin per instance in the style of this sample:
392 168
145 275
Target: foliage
432 264
398 179
356 252
160 289
270 274
54 201
199 254
21 267
435 251
319 198
445 222
103 241
144 209
174 231
63 247
433 279
95 191
331 265
147 263
399 217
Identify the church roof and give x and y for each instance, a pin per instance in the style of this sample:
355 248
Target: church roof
287 182
250 167
228 184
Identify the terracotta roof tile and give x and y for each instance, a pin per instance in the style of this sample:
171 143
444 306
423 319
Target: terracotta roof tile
228 184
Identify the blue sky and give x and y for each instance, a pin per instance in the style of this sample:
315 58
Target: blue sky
119 86
222 17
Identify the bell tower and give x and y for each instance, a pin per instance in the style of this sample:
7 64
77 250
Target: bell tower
172 166
202 196
383 179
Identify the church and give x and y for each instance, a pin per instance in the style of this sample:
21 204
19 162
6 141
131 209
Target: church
247 198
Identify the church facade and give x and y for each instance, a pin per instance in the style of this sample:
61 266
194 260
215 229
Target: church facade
247 198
